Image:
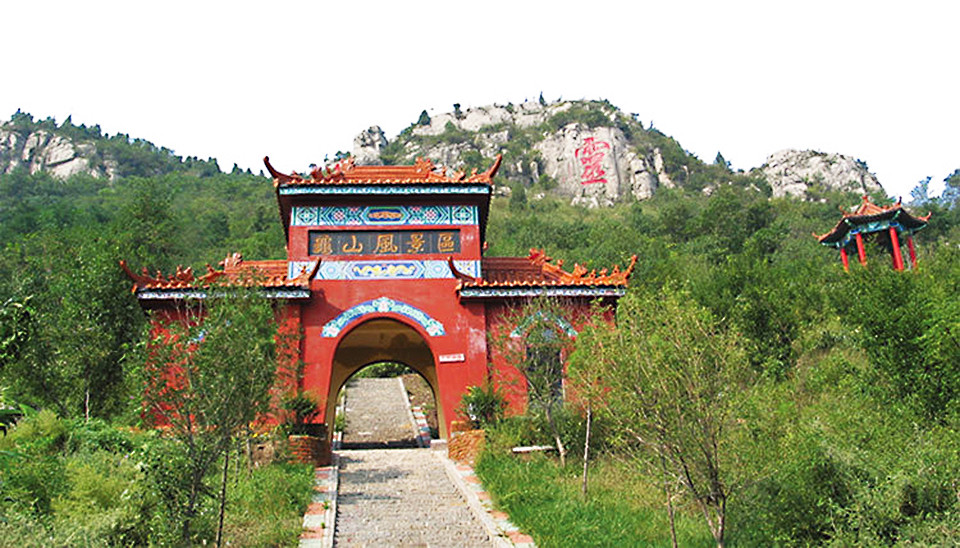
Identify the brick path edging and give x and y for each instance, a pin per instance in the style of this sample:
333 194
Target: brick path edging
319 522
423 429
497 523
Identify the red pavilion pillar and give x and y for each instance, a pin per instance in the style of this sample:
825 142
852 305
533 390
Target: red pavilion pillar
860 252
846 261
913 252
897 255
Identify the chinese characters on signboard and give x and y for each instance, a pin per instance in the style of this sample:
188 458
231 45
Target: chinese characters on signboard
384 242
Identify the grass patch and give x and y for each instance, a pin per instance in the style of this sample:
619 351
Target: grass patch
545 502
266 508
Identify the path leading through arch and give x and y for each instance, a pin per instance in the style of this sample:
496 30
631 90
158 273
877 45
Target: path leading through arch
377 415
390 497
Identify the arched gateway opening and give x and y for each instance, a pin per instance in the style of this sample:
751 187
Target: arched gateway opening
382 340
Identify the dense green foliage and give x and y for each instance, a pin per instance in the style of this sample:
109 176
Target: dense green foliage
847 431
76 483
72 336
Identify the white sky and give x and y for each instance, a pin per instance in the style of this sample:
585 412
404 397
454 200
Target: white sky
297 81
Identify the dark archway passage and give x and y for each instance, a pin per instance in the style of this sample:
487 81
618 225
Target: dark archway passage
375 341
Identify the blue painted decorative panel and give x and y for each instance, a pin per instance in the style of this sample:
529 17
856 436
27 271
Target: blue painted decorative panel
383 305
393 270
384 215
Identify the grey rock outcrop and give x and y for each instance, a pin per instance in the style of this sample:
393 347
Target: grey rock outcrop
596 167
590 166
796 172
41 150
367 146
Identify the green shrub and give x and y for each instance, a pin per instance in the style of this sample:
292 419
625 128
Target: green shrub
43 432
106 498
303 407
515 431
29 482
97 435
834 464
483 405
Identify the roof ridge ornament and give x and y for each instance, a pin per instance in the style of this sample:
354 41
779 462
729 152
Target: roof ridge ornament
278 178
456 272
551 275
235 272
423 171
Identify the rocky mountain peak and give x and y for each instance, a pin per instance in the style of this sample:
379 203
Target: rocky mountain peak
797 172
592 154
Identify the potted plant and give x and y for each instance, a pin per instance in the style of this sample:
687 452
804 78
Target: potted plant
306 439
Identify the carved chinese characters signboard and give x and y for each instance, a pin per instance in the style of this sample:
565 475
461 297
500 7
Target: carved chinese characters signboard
384 242
590 156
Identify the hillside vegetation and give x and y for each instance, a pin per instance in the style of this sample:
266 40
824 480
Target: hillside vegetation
847 427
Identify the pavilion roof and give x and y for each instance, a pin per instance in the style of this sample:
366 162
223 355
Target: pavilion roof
538 271
345 172
870 217
235 271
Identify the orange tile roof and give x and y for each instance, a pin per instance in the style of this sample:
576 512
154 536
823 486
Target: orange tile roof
267 274
868 212
345 172
537 270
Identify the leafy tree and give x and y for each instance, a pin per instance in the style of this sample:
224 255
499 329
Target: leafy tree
14 328
721 161
74 354
951 190
907 323
207 377
670 374
518 197
536 347
424 119
920 194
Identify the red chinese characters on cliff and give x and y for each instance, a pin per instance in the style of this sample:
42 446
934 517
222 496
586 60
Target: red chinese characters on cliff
591 156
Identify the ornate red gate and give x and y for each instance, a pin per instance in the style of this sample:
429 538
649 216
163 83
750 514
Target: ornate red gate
385 263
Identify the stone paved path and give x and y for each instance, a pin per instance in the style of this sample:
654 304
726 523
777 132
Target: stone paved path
392 497
378 414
